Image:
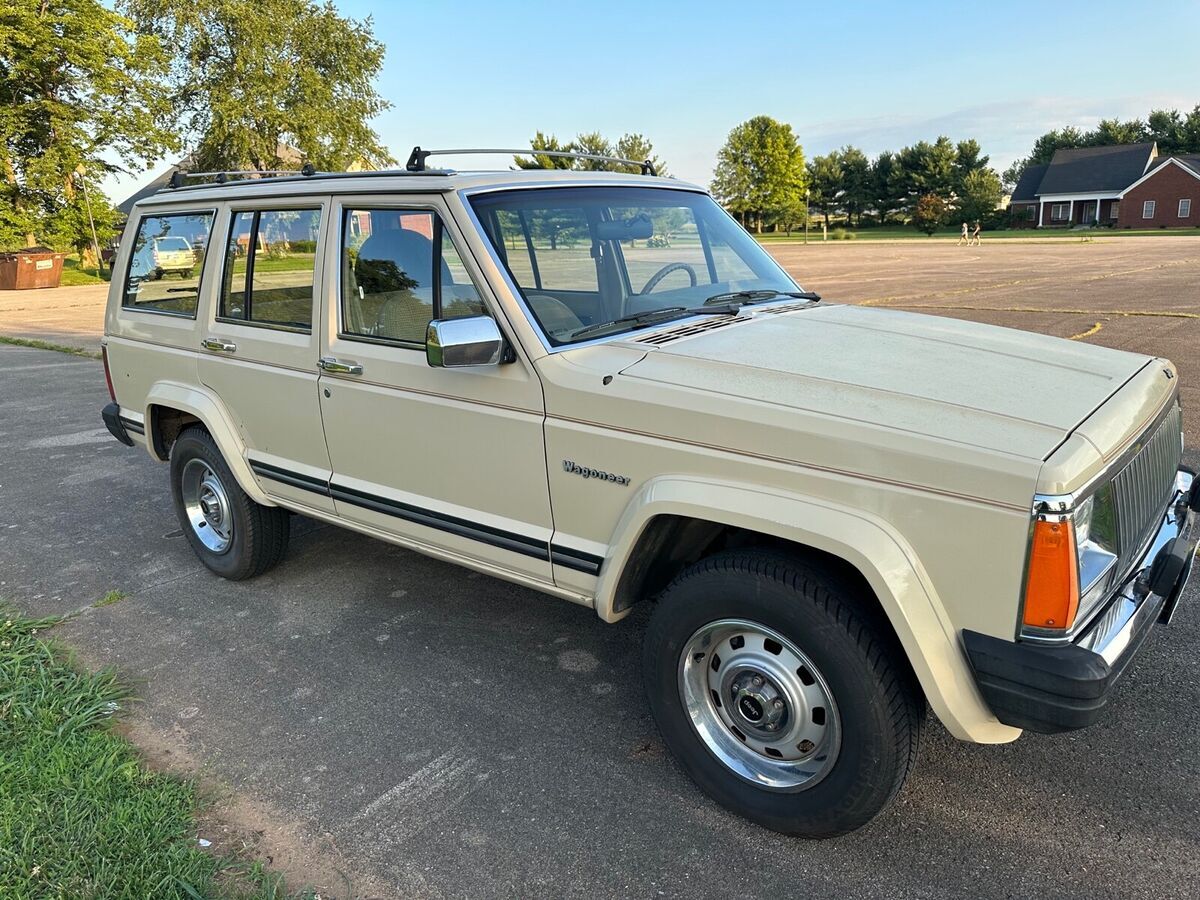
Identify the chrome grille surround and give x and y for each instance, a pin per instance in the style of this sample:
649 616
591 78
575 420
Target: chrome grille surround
1142 479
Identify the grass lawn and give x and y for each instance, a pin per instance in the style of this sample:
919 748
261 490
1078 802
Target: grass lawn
906 232
74 274
80 816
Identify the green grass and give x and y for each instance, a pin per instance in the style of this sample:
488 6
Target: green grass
47 345
80 816
110 598
75 274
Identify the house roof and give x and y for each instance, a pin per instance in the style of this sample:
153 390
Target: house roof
1086 169
1027 186
1188 160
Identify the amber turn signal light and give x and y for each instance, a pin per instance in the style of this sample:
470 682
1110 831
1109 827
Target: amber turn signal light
1052 591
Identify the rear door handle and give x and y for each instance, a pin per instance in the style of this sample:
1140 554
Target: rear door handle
219 346
329 364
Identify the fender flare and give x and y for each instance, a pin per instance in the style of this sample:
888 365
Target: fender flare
871 545
212 413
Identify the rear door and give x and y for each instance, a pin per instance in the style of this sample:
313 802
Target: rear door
260 347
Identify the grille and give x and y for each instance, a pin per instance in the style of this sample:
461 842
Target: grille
1142 489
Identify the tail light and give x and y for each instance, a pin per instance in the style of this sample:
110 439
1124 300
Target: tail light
1052 586
112 395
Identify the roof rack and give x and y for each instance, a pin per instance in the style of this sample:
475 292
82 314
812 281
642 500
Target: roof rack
416 160
179 178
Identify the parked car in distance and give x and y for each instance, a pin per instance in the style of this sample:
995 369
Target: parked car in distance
597 385
167 255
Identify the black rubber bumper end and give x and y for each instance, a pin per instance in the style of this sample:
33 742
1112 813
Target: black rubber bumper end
1043 688
112 421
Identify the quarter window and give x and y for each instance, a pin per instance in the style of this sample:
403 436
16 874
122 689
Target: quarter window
165 263
1185 208
391 288
269 263
1148 209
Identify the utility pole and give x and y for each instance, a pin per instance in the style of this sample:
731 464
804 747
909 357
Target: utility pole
806 215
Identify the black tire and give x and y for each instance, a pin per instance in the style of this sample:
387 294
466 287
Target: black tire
260 533
882 709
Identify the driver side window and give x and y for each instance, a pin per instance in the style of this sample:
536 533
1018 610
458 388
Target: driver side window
391 286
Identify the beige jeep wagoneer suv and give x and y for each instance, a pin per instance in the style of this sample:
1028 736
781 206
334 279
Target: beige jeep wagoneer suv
599 386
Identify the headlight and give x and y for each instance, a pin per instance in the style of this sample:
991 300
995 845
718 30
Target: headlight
1095 539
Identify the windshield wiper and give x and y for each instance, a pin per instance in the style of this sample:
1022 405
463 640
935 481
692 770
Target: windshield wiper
758 296
719 304
643 318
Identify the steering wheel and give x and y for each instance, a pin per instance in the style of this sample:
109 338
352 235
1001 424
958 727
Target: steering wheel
667 270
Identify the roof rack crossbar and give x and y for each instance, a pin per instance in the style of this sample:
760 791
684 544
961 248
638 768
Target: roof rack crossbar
416 160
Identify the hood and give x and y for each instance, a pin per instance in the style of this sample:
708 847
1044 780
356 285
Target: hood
1001 389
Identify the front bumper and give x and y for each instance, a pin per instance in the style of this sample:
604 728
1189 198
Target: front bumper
1060 687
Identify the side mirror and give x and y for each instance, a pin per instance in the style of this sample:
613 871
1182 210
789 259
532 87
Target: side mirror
472 341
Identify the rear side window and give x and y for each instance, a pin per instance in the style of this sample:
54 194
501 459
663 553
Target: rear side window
270 258
399 271
165 263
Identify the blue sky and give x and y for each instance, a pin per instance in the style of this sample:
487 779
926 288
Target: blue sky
872 74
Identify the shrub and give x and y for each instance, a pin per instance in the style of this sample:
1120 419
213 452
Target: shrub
841 234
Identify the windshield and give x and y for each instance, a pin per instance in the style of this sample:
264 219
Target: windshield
583 257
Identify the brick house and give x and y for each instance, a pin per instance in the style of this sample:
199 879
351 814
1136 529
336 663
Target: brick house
1167 196
1127 186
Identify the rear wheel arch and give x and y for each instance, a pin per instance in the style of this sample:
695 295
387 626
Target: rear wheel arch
171 408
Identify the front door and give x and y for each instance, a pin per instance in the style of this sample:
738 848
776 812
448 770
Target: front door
447 460
260 350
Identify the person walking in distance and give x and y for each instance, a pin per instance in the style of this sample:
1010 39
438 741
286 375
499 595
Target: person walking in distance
975 238
963 238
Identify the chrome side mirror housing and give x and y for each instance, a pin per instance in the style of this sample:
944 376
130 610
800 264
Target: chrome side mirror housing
457 343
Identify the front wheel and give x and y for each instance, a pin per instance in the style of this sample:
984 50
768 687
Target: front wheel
234 536
780 694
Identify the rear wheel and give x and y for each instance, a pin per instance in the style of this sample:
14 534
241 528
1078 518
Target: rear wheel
781 694
234 536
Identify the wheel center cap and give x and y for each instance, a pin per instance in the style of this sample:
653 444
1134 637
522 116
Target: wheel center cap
758 702
751 708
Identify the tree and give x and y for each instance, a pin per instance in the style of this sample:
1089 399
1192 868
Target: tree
595 144
545 142
825 183
78 88
930 213
1110 132
637 147
253 76
629 146
980 195
857 185
760 170
884 183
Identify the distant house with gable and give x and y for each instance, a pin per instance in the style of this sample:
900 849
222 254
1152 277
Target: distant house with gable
1126 186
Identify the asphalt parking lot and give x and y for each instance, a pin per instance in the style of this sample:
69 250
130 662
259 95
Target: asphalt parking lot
398 727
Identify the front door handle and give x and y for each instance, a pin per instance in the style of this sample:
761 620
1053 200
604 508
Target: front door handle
329 364
218 345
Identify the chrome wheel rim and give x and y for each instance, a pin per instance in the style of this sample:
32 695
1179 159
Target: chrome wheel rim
760 705
207 505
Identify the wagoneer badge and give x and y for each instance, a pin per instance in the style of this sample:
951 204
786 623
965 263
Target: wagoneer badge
583 471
